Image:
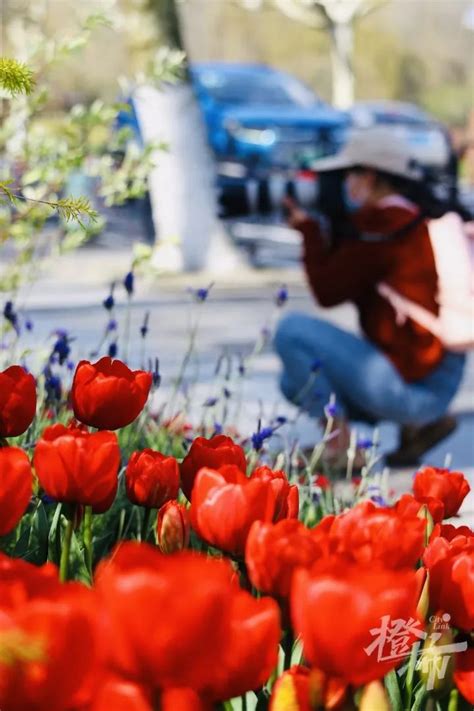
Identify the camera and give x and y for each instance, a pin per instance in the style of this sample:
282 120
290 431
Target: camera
322 194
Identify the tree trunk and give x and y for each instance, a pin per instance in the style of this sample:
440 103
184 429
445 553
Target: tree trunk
189 235
182 192
342 39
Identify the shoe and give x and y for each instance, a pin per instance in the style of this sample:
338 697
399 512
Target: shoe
415 441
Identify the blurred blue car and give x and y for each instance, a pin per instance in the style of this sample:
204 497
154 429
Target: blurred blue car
263 118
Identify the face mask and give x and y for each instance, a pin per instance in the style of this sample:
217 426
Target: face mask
351 204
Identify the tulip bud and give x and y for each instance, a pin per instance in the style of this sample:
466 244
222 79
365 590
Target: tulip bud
373 697
324 691
173 527
291 690
424 513
424 599
436 662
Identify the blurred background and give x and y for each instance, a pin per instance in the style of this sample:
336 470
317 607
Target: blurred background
278 83
239 97
417 50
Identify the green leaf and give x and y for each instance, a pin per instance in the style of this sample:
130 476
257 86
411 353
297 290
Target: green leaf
42 529
21 547
15 77
54 538
393 690
92 22
77 565
5 189
263 700
420 695
75 44
32 176
75 208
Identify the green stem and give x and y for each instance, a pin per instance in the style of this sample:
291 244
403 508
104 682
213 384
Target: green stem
145 524
65 550
88 538
244 702
244 576
287 644
252 460
319 448
184 364
453 700
410 674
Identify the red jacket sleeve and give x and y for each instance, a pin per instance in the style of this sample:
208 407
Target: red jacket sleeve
346 272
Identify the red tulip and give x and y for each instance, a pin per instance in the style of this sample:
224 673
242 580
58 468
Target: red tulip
116 694
138 577
33 581
407 505
77 467
107 394
212 453
183 700
49 640
338 608
151 478
321 481
173 527
275 551
213 637
252 650
448 531
464 674
321 533
287 495
16 487
17 401
450 487
303 689
451 574
369 533
225 504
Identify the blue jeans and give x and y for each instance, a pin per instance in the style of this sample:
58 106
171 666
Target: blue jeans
320 359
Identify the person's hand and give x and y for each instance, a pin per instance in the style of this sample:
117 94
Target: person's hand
296 215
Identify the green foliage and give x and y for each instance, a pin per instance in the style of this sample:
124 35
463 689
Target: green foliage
66 163
6 190
15 77
75 209
68 208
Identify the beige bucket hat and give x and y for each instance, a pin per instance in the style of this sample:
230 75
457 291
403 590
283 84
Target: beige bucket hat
378 147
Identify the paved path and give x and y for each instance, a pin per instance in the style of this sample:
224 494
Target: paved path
231 320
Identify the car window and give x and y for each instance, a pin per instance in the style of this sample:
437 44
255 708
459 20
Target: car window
255 88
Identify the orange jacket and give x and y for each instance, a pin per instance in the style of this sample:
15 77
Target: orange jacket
352 270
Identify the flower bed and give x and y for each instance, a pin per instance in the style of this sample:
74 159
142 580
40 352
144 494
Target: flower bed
149 564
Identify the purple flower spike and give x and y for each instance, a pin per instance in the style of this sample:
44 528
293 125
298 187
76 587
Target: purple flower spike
129 283
281 296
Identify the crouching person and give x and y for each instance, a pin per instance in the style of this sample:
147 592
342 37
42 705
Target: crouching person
398 369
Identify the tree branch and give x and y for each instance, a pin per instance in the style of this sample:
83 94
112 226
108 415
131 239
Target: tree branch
306 15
